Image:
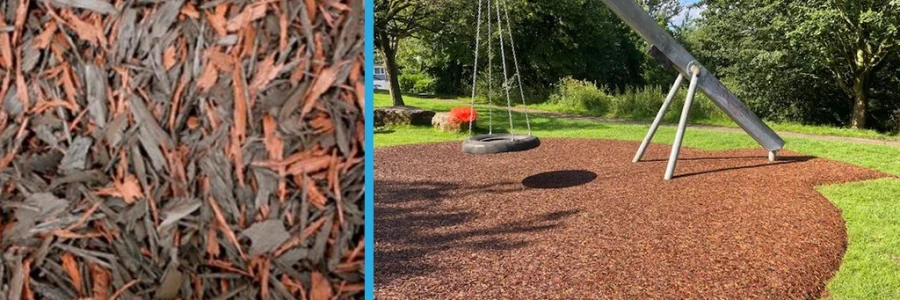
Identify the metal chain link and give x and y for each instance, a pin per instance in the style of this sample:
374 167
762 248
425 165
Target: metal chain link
475 71
506 84
512 45
490 68
503 62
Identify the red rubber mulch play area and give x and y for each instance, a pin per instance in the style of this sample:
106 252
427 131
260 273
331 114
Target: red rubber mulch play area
576 219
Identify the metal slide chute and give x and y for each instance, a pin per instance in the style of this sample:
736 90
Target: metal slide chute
688 67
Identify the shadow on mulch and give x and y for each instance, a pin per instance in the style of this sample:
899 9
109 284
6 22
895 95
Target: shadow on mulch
559 179
418 220
800 158
781 162
733 225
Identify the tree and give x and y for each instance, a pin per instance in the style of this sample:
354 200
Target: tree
854 37
663 10
554 39
394 21
800 51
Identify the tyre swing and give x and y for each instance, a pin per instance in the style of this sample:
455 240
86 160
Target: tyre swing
494 143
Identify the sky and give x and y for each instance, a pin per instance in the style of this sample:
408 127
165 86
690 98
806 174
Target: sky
693 13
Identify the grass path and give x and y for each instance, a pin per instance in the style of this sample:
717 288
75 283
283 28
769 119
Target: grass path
871 209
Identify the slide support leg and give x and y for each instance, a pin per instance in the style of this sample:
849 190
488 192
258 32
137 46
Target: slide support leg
682 125
659 118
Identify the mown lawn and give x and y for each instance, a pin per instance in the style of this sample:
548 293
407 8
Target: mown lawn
871 267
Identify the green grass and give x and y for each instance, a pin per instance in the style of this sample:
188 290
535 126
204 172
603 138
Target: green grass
720 119
811 129
877 157
565 109
724 121
871 267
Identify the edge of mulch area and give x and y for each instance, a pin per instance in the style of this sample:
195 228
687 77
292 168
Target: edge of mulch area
182 149
576 219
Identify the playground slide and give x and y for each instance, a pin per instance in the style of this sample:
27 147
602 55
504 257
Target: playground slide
641 22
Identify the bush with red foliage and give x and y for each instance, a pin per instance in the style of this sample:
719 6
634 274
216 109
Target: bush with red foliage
463 115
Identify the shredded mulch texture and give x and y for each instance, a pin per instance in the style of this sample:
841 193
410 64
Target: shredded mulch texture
181 149
576 219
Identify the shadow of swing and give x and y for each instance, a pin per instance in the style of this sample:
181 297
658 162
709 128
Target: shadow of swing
559 179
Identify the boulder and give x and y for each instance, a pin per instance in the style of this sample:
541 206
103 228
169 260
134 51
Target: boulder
379 118
444 122
402 115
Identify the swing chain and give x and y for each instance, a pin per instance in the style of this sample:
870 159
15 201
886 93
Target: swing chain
475 72
503 63
507 80
518 74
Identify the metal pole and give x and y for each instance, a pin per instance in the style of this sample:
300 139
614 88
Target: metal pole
679 135
659 118
646 26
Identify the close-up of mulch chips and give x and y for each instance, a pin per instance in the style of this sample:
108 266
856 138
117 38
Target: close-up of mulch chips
181 149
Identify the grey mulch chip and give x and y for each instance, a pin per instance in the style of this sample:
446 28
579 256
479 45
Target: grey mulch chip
76 156
266 236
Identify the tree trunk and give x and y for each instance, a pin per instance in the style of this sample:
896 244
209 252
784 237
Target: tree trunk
390 61
860 101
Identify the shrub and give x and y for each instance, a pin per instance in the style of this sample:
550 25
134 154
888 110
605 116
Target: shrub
496 92
416 83
644 104
581 94
533 93
702 109
408 81
425 86
637 103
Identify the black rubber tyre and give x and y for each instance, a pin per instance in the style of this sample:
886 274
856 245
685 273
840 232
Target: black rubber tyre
500 143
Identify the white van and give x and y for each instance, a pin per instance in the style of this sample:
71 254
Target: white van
381 81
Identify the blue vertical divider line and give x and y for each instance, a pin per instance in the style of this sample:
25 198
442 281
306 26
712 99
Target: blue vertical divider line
370 151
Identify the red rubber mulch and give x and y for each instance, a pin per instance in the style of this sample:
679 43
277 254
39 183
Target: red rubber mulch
576 219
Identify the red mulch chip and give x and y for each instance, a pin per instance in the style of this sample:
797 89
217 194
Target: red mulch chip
576 219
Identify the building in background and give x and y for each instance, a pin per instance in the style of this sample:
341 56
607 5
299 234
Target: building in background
381 81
